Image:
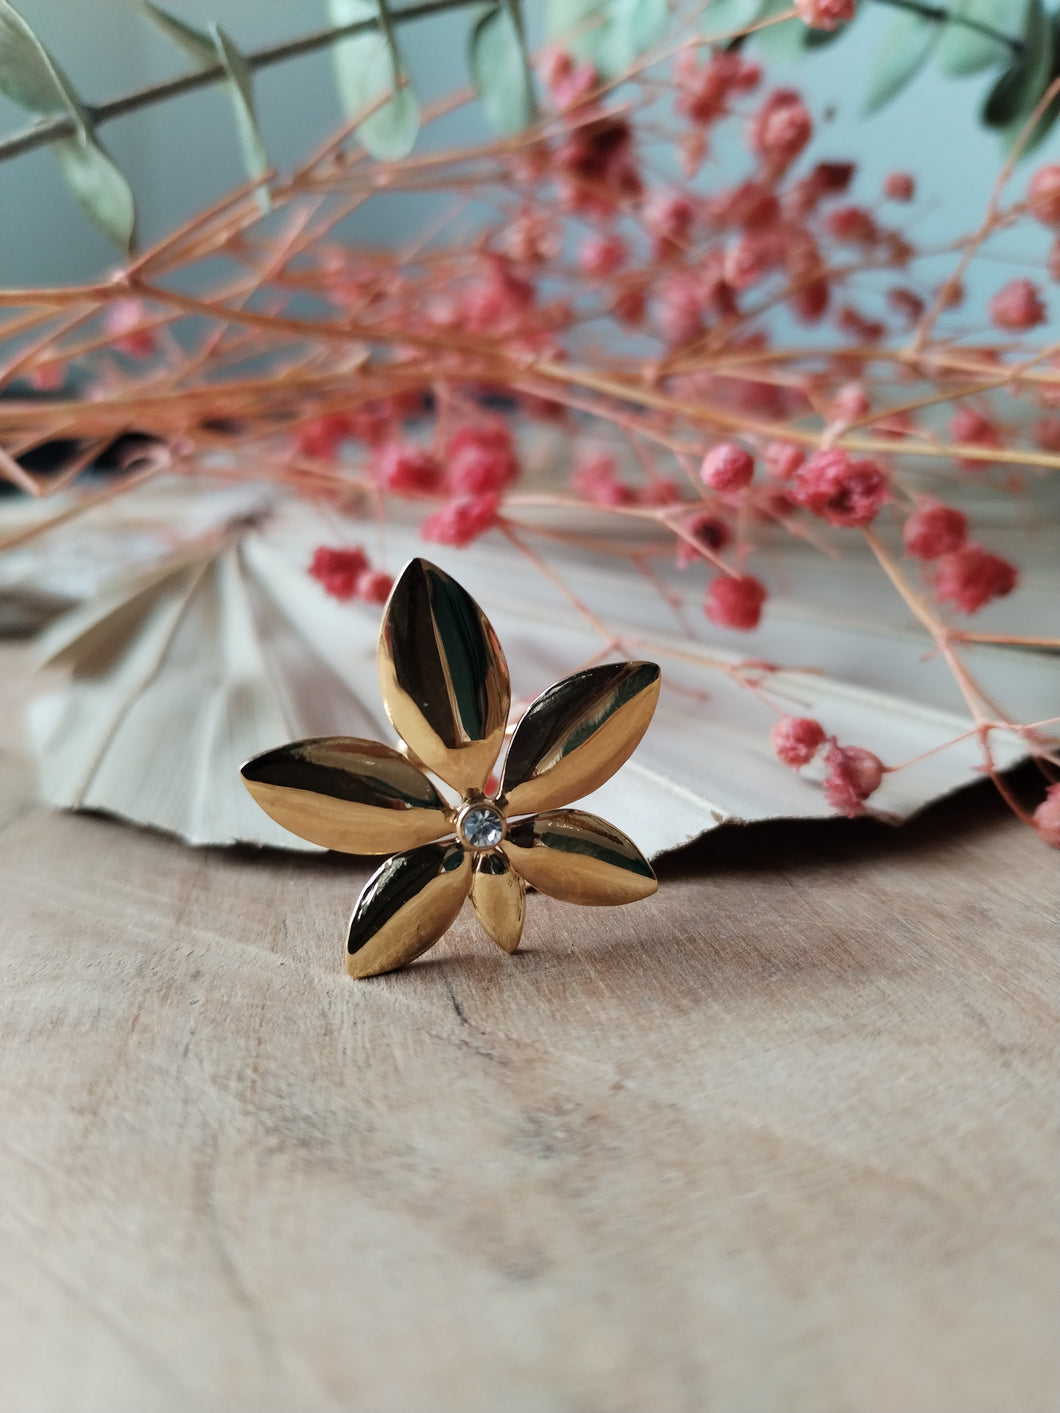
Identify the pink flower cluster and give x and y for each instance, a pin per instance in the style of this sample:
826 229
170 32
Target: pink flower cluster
852 773
347 574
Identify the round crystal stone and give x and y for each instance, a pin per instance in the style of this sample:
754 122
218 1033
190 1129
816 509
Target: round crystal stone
482 827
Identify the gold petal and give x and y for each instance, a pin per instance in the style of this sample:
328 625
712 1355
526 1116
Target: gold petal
444 678
577 857
498 896
577 734
357 796
405 907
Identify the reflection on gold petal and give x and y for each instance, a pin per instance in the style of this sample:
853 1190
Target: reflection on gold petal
579 858
405 907
577 734
444 677
359 797
498 895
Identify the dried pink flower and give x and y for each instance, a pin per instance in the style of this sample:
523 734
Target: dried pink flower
1017 306
797 739
669 217
976 429
374 586
1047 433
899 186
735 602
124 321
825 14
596 478
679 310
704 93
481 459
851 225
781 128
1047 816
569 83
853 775
933 530
971 577
602 255
321 437
1043 194
849 405
839 490
338 570
727 467
462 520
782 459
408 469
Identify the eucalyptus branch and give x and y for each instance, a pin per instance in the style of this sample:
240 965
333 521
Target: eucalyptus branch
941 15
47 130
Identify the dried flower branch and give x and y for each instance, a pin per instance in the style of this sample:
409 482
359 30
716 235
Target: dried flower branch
653 316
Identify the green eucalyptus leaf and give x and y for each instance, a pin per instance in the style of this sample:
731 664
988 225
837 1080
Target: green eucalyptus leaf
782 43
1014 96
29 76
583 28
822 38
636 25
196 43
241 87
98 186
1039 54
899 57
501 69
963 51
727 17
367 67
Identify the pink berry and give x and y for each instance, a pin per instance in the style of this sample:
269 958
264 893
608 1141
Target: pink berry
797 739
727 467
601 255
825 14
781 128
462 520
853 775
839 490
933 530
320 437
783 459
407 469
1043 195
735 602
899 186
1047 816
970 577
338 570
1047 433
595 478
481 459
1017 306
849 405
374 586
852 225
124 321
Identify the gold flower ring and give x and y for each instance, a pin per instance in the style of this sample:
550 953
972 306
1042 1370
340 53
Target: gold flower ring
446 691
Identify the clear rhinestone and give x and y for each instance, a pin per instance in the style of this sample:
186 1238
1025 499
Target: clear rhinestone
482 827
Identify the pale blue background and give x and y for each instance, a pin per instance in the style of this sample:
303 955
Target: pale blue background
183 154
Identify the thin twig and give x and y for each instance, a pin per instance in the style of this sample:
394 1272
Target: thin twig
47 130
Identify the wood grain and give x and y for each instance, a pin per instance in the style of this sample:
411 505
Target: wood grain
781 1139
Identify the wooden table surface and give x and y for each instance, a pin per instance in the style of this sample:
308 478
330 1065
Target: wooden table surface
783 1138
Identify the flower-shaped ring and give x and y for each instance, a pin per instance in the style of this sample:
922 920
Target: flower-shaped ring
446 691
